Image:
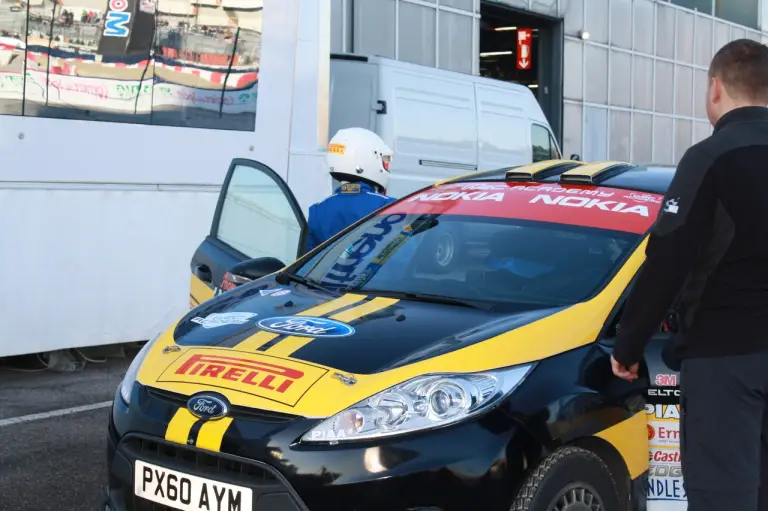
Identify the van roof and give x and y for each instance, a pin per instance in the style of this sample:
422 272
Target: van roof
649 178
358 57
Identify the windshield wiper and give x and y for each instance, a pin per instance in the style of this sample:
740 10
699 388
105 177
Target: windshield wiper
430 298
285 277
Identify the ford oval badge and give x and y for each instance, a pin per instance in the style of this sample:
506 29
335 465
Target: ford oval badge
207 406
306 326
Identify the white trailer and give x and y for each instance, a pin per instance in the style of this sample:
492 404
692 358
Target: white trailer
100 219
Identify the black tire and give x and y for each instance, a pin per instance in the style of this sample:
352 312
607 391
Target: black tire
569 479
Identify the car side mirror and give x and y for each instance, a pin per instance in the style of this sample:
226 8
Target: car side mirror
254 269
576 157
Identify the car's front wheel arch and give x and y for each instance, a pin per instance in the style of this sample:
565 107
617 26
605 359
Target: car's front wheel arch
612 458
601 481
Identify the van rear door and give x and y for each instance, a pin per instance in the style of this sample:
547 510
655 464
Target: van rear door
256 216
354 93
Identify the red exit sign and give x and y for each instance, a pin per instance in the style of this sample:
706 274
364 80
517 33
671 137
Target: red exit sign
524 37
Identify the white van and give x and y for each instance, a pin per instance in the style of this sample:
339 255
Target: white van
438 123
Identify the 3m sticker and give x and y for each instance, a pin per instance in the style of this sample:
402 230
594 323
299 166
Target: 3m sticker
283 381
587 206
666 380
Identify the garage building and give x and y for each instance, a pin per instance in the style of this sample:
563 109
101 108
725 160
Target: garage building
618 79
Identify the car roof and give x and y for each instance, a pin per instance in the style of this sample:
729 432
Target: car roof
649 178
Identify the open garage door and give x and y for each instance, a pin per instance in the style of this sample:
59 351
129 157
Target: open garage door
526 48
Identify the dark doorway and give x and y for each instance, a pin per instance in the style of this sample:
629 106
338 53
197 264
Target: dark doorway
499 26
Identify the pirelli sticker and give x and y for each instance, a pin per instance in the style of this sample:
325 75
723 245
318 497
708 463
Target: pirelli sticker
279 380
337 148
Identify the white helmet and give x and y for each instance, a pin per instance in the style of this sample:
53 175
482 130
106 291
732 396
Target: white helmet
356 154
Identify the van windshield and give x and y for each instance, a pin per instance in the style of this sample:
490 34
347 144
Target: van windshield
490 243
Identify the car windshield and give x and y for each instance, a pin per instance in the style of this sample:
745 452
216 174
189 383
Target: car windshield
503 244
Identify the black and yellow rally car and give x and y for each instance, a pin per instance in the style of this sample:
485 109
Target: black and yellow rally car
448 352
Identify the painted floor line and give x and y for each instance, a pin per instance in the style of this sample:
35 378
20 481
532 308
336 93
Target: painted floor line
54 413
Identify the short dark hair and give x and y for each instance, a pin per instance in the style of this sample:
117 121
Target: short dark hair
742 66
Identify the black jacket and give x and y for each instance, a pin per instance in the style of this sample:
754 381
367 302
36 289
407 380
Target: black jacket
709 248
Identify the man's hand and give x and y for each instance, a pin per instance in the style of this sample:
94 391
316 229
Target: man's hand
624 372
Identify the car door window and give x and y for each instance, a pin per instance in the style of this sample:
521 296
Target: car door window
554 151
258 216
542 143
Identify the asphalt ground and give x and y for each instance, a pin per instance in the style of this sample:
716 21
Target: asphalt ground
51 461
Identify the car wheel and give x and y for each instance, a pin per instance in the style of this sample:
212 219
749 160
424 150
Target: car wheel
569 479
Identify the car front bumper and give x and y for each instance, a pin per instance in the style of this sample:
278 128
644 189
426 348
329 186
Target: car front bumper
474 465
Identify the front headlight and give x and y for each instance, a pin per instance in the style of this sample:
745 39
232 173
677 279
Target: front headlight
126 386
424 402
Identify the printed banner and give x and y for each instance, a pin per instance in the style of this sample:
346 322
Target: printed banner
127 96
586 206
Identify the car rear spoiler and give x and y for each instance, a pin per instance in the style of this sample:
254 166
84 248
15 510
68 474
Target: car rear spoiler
594 173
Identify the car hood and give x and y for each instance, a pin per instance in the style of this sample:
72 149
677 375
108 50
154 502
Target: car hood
297 350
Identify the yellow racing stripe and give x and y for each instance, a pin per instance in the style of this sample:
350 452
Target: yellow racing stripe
211 434
358 312
333 305
291 344
180 426
288 345
259 339
255 341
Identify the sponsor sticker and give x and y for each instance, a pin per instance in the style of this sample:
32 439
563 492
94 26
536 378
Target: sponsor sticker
666 380
350 188
664 392
274 292
664 434
587 206
645 197
337 148
283 381
672 206
661 412
224 318
306 326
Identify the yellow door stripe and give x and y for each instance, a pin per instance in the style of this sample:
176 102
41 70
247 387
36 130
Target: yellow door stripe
288 345
358 312
211 434
255 341
630 438
328 307
180 426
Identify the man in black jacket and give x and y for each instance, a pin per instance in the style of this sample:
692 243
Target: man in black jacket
709 249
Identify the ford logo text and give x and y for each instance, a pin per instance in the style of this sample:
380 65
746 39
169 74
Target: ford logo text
207 406
306 326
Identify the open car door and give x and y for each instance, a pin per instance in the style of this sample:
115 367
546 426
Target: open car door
257 216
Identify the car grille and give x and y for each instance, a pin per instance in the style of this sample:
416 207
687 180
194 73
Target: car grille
238 412
170 455
230 469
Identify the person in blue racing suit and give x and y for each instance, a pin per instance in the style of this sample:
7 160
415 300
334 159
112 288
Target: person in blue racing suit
360 160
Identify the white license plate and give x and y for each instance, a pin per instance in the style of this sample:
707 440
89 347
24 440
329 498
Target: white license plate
187 492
